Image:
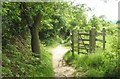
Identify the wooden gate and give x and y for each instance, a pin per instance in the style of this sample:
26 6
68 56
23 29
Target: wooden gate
87 45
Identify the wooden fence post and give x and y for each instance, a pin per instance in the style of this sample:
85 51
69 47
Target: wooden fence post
92 39
78 42
72 42
103 38
90 48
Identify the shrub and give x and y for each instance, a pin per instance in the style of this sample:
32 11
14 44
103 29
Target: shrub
98 64
19 63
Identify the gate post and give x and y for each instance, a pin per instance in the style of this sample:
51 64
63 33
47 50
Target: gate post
103 38
72 42
90 48
78 43
92 39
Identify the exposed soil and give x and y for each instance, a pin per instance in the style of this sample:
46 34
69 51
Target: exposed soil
60 67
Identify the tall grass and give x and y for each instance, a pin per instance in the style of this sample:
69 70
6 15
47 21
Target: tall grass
18 63
102 63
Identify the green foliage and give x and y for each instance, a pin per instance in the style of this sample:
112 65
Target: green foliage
58 18
20 63
98 64
94 65
13 23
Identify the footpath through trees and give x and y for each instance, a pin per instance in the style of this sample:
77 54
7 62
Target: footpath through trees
60 68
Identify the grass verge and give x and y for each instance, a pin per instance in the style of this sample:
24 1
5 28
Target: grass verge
98 64
21 62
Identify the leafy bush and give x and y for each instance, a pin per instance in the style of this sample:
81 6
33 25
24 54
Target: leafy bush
97 64
18 63
101 63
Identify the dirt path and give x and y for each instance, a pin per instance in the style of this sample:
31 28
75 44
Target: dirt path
61 70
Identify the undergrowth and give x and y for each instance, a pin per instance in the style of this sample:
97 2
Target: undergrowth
19 61
99 64
102 63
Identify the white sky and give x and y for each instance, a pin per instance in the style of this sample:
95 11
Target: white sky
109 9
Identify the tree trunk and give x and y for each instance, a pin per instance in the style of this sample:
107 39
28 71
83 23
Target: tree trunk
33 24
35 44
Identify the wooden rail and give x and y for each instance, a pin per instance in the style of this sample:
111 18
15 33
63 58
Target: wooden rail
92 34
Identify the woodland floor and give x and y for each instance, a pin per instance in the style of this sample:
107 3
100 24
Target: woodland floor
60 67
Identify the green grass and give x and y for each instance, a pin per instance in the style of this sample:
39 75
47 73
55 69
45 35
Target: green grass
20 63
98 64
53 43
